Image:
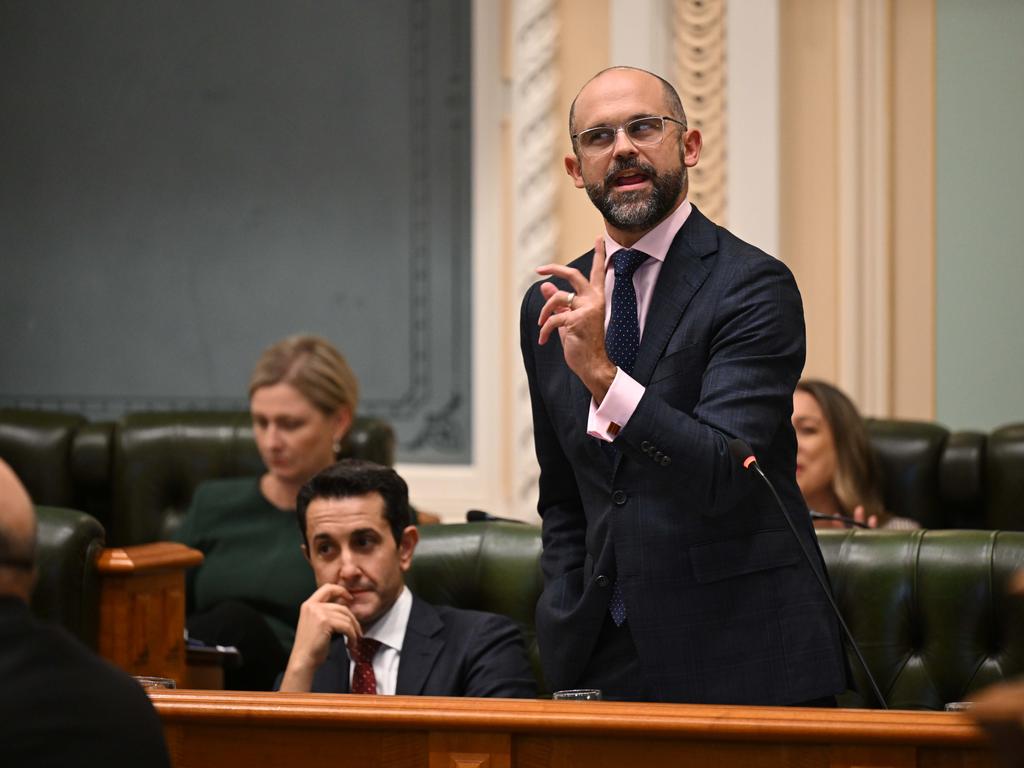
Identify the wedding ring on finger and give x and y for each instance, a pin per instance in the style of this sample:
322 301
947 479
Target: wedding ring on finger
569 299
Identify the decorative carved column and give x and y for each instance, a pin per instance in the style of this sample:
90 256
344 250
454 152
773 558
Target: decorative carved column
535 172
699 67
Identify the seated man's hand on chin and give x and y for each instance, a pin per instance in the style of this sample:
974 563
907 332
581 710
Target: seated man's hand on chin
325 614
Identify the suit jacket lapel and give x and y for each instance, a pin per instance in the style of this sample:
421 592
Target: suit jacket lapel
420 648
682 274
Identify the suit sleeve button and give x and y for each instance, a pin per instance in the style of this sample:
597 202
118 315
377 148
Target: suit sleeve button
665 461
619 498
602 581
645 446
659 456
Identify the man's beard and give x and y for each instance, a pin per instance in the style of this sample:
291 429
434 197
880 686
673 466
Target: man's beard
640 209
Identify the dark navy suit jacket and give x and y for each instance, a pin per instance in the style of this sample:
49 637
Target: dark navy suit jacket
447 652
720 603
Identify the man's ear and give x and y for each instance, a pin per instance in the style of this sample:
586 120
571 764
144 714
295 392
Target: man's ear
573 168
692 143
406 547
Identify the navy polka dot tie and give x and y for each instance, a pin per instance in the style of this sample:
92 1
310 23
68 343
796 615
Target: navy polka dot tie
622 342
362 653
622 339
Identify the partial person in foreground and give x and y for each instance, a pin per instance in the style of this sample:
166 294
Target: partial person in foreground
836 469
362 630
60 704
670 573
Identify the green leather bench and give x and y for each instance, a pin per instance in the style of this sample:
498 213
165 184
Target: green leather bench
67 583
928 608
137 475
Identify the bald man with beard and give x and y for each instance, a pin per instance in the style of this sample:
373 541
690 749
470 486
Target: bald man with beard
60 704
670 573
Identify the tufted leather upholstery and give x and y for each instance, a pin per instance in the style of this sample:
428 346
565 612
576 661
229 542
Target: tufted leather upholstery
485 567
1004 466
37 445
947 479
929 608
159 458
67 585
136 476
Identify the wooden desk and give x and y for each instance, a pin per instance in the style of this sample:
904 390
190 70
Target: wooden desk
313 730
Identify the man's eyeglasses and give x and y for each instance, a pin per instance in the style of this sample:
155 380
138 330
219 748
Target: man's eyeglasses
643 132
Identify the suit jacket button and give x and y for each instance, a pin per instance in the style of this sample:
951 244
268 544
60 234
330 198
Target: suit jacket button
659 456
619 498
665 461
602 581
645 446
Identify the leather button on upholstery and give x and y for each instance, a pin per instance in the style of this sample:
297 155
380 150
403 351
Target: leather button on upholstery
665 461
602 580
619 498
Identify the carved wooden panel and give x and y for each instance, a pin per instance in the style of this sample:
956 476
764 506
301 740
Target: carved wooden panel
699 57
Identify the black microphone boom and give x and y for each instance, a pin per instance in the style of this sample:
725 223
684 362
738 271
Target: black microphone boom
742 453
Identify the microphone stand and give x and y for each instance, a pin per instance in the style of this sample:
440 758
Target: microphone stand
742 452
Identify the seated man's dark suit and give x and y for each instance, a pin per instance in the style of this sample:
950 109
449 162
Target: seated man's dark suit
447 652
60 704
719 602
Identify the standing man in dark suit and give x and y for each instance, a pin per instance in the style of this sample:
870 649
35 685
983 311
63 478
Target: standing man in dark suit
60 704
670 574
363 631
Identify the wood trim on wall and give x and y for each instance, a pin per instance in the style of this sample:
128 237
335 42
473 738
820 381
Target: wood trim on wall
864 253
809 172
857 210
913 210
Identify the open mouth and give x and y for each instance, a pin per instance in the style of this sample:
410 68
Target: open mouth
630 180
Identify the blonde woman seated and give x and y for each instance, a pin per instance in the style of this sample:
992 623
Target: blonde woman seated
254 578
836 469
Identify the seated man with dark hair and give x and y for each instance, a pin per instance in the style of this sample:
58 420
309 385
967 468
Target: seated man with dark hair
60 704
362 630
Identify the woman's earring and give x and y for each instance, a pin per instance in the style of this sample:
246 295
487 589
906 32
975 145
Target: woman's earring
336 445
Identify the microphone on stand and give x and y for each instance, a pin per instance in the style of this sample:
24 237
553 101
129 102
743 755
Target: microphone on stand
479 516
745 456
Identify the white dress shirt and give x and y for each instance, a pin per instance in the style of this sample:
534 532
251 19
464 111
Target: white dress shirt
389 629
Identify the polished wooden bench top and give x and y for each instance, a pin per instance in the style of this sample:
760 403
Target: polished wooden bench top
258 729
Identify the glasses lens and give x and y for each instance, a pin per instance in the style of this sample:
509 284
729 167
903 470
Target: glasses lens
594 141
646 130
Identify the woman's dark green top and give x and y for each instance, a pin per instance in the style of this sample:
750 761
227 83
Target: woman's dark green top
252 553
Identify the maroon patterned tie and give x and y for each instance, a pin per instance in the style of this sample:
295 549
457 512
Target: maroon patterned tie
362 653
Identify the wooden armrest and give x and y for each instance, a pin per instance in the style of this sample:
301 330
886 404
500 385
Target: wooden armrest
147 557
142 607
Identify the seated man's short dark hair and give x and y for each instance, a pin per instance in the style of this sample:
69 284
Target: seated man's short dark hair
355 477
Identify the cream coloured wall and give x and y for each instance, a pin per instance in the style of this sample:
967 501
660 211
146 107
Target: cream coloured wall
812 88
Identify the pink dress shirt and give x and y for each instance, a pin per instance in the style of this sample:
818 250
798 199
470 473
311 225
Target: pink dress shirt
625 393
